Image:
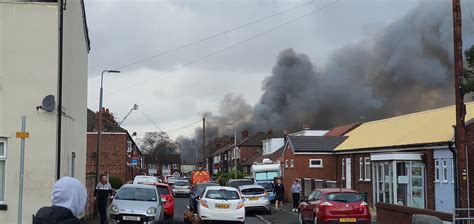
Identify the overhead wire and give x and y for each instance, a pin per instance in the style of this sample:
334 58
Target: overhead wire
224 48
184 126
150 120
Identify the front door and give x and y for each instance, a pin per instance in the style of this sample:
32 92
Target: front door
348 173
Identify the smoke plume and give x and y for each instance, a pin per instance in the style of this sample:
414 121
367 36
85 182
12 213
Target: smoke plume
359 83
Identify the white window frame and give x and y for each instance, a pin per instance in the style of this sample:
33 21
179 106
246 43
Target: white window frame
292 163
437 171
129 146
452 171
286 163
4 158
444 164
343 169
367 168
361 165
316 166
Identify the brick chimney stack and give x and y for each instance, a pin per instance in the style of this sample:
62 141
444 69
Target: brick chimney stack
245 134
270 132
305 127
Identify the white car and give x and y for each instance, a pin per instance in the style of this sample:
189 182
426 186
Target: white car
255 198
181 187
221 204
145 180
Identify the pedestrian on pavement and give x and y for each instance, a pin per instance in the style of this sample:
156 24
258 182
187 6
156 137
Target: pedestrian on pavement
102 192
279 195
68 201
295 192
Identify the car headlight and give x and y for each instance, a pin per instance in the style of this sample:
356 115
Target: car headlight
114 209
151 210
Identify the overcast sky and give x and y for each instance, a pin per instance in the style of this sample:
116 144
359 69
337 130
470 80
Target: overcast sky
174 89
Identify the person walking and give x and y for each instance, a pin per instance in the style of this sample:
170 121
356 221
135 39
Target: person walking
295 192
279 195
102 192
68 201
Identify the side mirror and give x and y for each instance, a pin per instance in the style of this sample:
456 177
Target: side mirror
198 198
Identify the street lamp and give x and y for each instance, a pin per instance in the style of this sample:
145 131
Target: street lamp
235 151
99 130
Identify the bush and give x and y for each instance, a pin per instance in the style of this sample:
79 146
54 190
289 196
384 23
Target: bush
115 182
223 177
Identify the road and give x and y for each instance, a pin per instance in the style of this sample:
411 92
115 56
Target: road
180 204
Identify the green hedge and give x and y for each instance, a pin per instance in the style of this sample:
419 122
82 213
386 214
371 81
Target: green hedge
116 182
223 177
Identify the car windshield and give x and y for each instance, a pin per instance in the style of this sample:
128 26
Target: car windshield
222 194
181 183
343 197
163 190
253 191
202 187
238 183
144 180
267 186
268 175
136 194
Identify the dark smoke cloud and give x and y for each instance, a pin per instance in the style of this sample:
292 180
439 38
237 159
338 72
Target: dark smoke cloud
357 84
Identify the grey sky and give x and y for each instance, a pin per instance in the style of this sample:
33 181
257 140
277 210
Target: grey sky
124 31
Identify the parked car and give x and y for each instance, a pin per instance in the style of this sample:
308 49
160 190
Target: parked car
181 187
137 203
141 179
197 192
236 183
220 203
255 198
334 205
167 197
270 189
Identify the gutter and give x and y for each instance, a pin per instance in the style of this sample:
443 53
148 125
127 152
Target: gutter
455 164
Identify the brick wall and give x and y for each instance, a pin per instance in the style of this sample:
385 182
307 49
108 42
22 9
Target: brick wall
358 184
470 151
429 180
90 186
390 213
248 152
301 169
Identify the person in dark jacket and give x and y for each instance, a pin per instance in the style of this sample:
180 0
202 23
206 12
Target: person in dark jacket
279 195
68 203
102 192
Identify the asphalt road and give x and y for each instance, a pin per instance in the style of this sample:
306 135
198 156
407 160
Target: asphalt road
180 204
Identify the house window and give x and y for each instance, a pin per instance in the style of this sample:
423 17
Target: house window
452 171
361 166
225 156
166 166
445 170
129 146
175 166
343 169
315 163
3 161
367 173
292 163
286 163
437 173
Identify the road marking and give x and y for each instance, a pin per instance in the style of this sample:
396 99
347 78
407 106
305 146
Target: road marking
262 219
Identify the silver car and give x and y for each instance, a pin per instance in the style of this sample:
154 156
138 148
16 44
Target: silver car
136 203
255 198
181 187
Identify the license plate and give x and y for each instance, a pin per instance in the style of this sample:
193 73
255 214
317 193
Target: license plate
223 206
131 218
347 220
253 198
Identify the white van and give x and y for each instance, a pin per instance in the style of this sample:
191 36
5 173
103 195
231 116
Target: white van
146 180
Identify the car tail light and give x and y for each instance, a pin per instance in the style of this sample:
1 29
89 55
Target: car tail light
326 204
240 205
204 203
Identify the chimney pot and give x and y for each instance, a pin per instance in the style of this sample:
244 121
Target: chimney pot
245 134
305 127
270 132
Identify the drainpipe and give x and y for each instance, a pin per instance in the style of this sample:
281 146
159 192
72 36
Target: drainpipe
455 164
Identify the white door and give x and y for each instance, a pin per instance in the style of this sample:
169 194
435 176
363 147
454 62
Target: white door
348 173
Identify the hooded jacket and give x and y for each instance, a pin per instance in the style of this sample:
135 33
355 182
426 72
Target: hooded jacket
68 203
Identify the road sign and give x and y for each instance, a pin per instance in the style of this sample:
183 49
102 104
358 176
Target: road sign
22 135
134 162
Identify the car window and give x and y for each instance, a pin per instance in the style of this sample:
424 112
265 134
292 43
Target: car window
163 190
267 186
137 194
314 196
181 183
253 191
237 184
343 197
201 188
223 194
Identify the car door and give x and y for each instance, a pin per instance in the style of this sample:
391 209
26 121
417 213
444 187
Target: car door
311 205
306 208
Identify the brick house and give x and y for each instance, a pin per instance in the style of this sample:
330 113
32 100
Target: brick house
117 151
248 148
309 157
221 159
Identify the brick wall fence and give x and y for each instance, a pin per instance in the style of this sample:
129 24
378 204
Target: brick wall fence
90 186
390 213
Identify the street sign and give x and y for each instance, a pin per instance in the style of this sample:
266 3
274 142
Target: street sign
134 162
22 135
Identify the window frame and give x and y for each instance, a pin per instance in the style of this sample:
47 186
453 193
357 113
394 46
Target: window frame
4 157
437 171
444 165
452 171
361 165
286 163
343 169
321 165
292 163
367 175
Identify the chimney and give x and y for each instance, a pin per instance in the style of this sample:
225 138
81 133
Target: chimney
270 132
305 127
285 136
245 134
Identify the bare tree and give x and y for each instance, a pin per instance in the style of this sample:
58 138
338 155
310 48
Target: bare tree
156 148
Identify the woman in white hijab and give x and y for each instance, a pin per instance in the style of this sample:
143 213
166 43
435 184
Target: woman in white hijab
68 203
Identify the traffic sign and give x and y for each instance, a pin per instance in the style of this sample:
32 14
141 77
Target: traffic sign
134 162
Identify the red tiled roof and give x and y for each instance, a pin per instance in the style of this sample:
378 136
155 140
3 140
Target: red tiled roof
342 130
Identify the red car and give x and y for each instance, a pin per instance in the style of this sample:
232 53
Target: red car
166 194
334 205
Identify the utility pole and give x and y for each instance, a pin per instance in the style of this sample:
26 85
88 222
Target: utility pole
203 142
460 106
195 156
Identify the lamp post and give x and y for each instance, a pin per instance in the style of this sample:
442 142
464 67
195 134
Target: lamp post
235 151
99 129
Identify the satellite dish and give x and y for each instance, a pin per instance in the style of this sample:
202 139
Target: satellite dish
49 103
